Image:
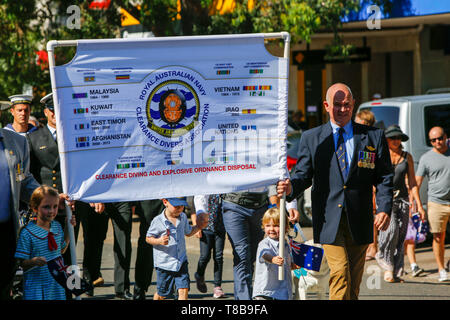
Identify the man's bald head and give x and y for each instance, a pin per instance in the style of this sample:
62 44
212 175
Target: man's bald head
438 139
336 87
436 131
339 104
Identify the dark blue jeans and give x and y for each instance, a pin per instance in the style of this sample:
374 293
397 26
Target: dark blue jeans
215 242
244 230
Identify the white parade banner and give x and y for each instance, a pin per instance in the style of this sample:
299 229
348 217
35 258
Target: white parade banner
142 119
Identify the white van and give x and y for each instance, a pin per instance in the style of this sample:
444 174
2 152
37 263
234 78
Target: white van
415 115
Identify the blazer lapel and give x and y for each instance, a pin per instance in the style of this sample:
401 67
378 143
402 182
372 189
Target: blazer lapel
53 146
327 131
327 154
11 159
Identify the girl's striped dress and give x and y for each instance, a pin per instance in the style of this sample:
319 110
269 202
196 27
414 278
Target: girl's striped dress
39 284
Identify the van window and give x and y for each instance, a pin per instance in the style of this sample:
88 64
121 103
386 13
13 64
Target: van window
385 115
436 116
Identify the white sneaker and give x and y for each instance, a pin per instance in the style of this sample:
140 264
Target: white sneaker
443 275
218 293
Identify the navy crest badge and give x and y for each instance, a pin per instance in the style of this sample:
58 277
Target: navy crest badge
173 108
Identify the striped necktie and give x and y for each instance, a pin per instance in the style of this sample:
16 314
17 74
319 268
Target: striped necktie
341 154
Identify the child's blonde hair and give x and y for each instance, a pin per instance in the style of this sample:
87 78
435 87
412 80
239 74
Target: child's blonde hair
271 214
40 193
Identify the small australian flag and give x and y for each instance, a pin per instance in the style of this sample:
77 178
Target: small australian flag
306 256
59 272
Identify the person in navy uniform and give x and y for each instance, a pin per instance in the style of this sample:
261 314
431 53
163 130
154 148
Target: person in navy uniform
342 160
21 110
17 183
44 155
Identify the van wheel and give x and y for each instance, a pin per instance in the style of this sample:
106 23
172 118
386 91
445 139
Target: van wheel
305 212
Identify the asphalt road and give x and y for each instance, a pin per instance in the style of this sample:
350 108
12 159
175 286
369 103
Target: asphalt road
424 287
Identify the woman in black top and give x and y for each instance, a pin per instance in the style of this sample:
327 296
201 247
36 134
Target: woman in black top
390 255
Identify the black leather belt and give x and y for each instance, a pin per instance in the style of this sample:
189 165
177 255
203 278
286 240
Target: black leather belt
251 200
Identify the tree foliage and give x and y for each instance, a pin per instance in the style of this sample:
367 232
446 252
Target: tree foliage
27 25
25 28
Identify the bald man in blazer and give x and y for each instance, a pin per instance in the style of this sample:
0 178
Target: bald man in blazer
342 160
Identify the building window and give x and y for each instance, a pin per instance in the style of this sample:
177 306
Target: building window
438 115
385 115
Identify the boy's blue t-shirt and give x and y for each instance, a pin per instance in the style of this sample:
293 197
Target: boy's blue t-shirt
171 256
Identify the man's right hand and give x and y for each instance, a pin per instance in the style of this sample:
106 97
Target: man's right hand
381 221
284 186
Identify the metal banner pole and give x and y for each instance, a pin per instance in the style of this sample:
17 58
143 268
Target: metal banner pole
287 40
282 234
72 245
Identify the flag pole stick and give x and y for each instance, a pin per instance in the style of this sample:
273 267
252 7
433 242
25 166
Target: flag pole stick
72 246
282 235
286 54
51 65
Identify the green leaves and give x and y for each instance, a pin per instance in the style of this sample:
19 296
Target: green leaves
27 26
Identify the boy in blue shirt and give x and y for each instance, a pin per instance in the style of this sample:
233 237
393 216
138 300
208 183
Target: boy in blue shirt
166 235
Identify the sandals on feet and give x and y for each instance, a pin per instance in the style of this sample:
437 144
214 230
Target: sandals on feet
389 277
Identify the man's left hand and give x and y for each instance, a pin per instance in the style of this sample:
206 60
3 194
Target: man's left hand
65 197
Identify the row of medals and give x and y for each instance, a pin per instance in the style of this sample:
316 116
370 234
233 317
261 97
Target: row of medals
365 164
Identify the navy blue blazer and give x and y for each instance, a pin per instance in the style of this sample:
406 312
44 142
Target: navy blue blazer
318 165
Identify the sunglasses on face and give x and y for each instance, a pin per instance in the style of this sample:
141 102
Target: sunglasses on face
438 138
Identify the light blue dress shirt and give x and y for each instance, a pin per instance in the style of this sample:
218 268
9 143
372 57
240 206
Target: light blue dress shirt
171 256
348 139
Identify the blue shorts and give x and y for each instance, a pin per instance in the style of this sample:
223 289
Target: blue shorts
165 280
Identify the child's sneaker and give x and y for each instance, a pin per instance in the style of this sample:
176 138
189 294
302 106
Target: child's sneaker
443 276
218 293
201 285
416 271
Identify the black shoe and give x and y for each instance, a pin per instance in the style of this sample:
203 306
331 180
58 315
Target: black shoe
89 293
139 294
126 295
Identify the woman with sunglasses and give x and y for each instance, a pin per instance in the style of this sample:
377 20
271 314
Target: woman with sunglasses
390 255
